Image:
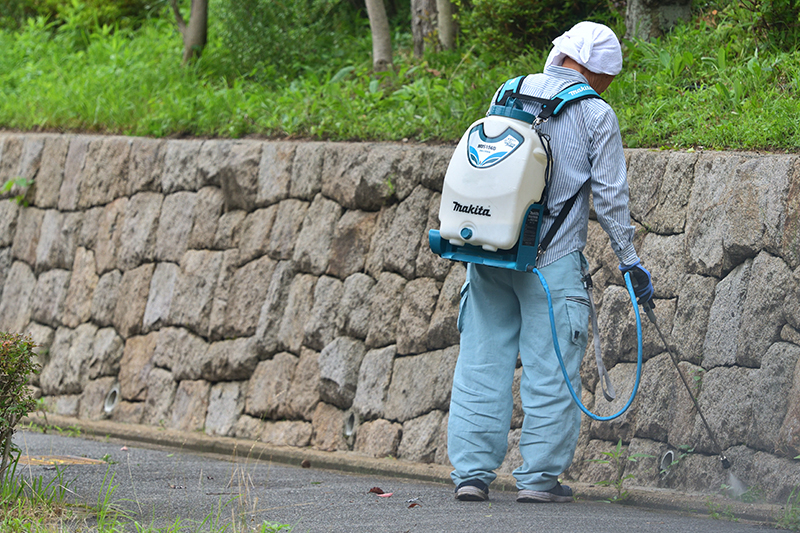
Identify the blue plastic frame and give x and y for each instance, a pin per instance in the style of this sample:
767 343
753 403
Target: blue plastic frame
521 257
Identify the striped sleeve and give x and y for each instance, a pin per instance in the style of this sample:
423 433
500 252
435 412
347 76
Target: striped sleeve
610 184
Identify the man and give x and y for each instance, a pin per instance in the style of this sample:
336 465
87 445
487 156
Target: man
504 312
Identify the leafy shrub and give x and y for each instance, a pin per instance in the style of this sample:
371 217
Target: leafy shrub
510 27
280 38
708 83
777 20
13 12
17 363
86 15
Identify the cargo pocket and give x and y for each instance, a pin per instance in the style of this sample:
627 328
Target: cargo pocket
578 308
461 306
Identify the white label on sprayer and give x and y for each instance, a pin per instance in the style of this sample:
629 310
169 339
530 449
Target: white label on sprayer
485 152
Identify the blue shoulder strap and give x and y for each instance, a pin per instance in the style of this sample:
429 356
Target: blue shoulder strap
550 107
506 102
509 89
573 93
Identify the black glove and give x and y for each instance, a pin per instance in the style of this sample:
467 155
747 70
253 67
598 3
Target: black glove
641 281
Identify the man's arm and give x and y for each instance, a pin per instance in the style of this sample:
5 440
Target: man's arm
609 182
610 194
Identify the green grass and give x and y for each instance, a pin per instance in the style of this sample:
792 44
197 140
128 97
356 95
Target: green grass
29 504
709 84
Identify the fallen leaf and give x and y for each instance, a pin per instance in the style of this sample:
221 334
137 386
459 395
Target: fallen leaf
375 490
385 495
415 504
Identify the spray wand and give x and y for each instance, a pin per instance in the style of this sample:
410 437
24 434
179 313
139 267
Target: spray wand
648 308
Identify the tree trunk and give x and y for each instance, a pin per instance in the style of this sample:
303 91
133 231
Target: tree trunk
5 453
650 19
423 15
195 34
447 27
381 39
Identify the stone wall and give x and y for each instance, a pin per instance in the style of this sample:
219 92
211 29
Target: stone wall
284 291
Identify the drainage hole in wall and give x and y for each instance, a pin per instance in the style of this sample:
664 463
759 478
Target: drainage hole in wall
112 399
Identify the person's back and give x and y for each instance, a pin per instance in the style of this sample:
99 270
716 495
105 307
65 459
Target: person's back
505 313
586 145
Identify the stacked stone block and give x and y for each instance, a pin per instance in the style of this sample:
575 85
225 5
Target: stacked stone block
240 288
285 292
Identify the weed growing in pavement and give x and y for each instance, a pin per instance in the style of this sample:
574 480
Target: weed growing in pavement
108 459
752 495
71 431
617 459
718 512
791 512
32 504
107 513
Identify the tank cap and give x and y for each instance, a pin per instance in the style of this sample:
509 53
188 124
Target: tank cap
466 234
511 112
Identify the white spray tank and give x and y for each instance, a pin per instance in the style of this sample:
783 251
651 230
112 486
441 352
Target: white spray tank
493 200
496 173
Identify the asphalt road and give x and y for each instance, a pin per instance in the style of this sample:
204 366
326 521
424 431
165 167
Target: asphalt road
164 486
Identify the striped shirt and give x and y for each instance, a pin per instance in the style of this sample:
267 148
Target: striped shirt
587 147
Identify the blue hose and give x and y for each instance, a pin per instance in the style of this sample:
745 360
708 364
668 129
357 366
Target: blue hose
561 360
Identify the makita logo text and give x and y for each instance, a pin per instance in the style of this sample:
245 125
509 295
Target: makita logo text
471 209
487 147
579 90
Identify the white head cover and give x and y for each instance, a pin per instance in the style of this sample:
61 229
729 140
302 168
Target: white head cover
590 44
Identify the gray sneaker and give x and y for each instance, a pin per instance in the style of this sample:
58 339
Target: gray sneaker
558 494
472 491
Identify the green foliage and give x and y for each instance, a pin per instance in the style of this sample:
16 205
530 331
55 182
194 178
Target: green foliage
791 512
776 21
753 494
511 27
279 39
618 459
17 363
13 13
709 84
84 15
719 512
30 505
18 187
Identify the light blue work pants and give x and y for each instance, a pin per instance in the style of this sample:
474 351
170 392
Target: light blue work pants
503 313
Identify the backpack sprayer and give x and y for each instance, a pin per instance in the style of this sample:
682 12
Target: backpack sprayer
497 222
